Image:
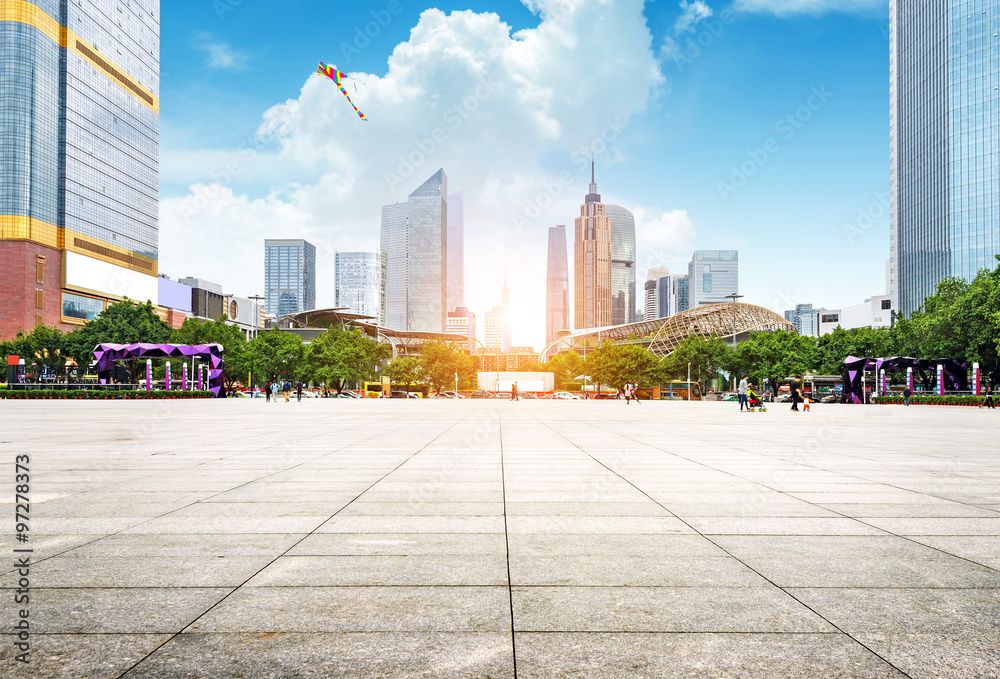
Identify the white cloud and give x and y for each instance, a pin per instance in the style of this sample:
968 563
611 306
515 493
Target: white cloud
464 93
692 13
814 7
667 240
221 55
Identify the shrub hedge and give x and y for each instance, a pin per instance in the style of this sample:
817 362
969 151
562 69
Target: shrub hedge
96 395
934 400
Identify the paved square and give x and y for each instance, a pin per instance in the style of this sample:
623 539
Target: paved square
337 538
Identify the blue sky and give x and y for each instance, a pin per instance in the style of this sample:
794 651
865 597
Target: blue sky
759 125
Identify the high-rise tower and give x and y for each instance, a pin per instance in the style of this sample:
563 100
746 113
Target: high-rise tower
556 285
944 142
623 300
592 262
79 155
289 276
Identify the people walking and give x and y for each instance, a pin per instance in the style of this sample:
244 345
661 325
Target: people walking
989 399
298 391
907 393
287 389
513 392
267 391
795 390
742 390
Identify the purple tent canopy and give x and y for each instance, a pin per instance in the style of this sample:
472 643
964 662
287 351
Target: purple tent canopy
106 355
956 372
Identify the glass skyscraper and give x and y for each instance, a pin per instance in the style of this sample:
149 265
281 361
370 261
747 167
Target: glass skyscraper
414 239
360 283
712 274
659 289
682 295
289 276
944 144
623 300
456 250
556 285
79 175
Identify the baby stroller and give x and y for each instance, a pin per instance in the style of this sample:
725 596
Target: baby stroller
755 401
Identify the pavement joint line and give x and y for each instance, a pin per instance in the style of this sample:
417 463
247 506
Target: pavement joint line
745 564
506 538
298 542
814 504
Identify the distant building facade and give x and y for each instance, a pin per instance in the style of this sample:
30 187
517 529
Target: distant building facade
456 250
712 275
289 276
360 282
875 312
556 285
414 239
944 144
623 292
805 319
592 263
461 321
682 295
659 297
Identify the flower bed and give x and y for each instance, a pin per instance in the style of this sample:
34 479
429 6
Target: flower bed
99 395
933 400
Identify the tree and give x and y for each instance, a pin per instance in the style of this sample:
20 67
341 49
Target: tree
441 361
405 370
338 356
773 356
565 368
236 365
275 353
124 322
707 357
619 364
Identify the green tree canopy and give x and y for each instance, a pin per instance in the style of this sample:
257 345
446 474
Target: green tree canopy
441 361
565 368
338 356
233 341
707 357
124 322
619 364
773 356
275 354
405 370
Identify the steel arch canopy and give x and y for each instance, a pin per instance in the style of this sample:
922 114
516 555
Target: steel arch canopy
715 320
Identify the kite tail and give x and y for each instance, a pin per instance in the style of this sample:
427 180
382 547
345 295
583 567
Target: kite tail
344 92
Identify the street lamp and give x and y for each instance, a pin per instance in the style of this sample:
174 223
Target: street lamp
734 297
689 382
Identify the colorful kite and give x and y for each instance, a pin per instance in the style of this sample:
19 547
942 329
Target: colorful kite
337 77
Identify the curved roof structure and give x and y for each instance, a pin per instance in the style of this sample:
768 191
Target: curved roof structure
715 320
570 340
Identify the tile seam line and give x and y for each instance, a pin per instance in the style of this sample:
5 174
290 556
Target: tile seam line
195 502
312 532
859 520
506 538
746 565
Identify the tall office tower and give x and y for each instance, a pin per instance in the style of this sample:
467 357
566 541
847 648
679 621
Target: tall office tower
556 285
497 330
659 288
713 274
79 159
395 219
461 321
289 276
415 242
592 262
682 297
360 285
623 299
805 319
944 141
456 250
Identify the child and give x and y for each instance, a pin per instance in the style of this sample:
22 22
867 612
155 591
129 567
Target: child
805 404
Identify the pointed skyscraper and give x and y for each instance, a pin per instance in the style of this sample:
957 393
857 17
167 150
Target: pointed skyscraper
592 262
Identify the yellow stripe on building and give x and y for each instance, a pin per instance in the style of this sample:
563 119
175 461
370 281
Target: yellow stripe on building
29 14
14 227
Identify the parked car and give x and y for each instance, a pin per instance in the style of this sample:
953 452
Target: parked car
479 393
566 396
345 394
